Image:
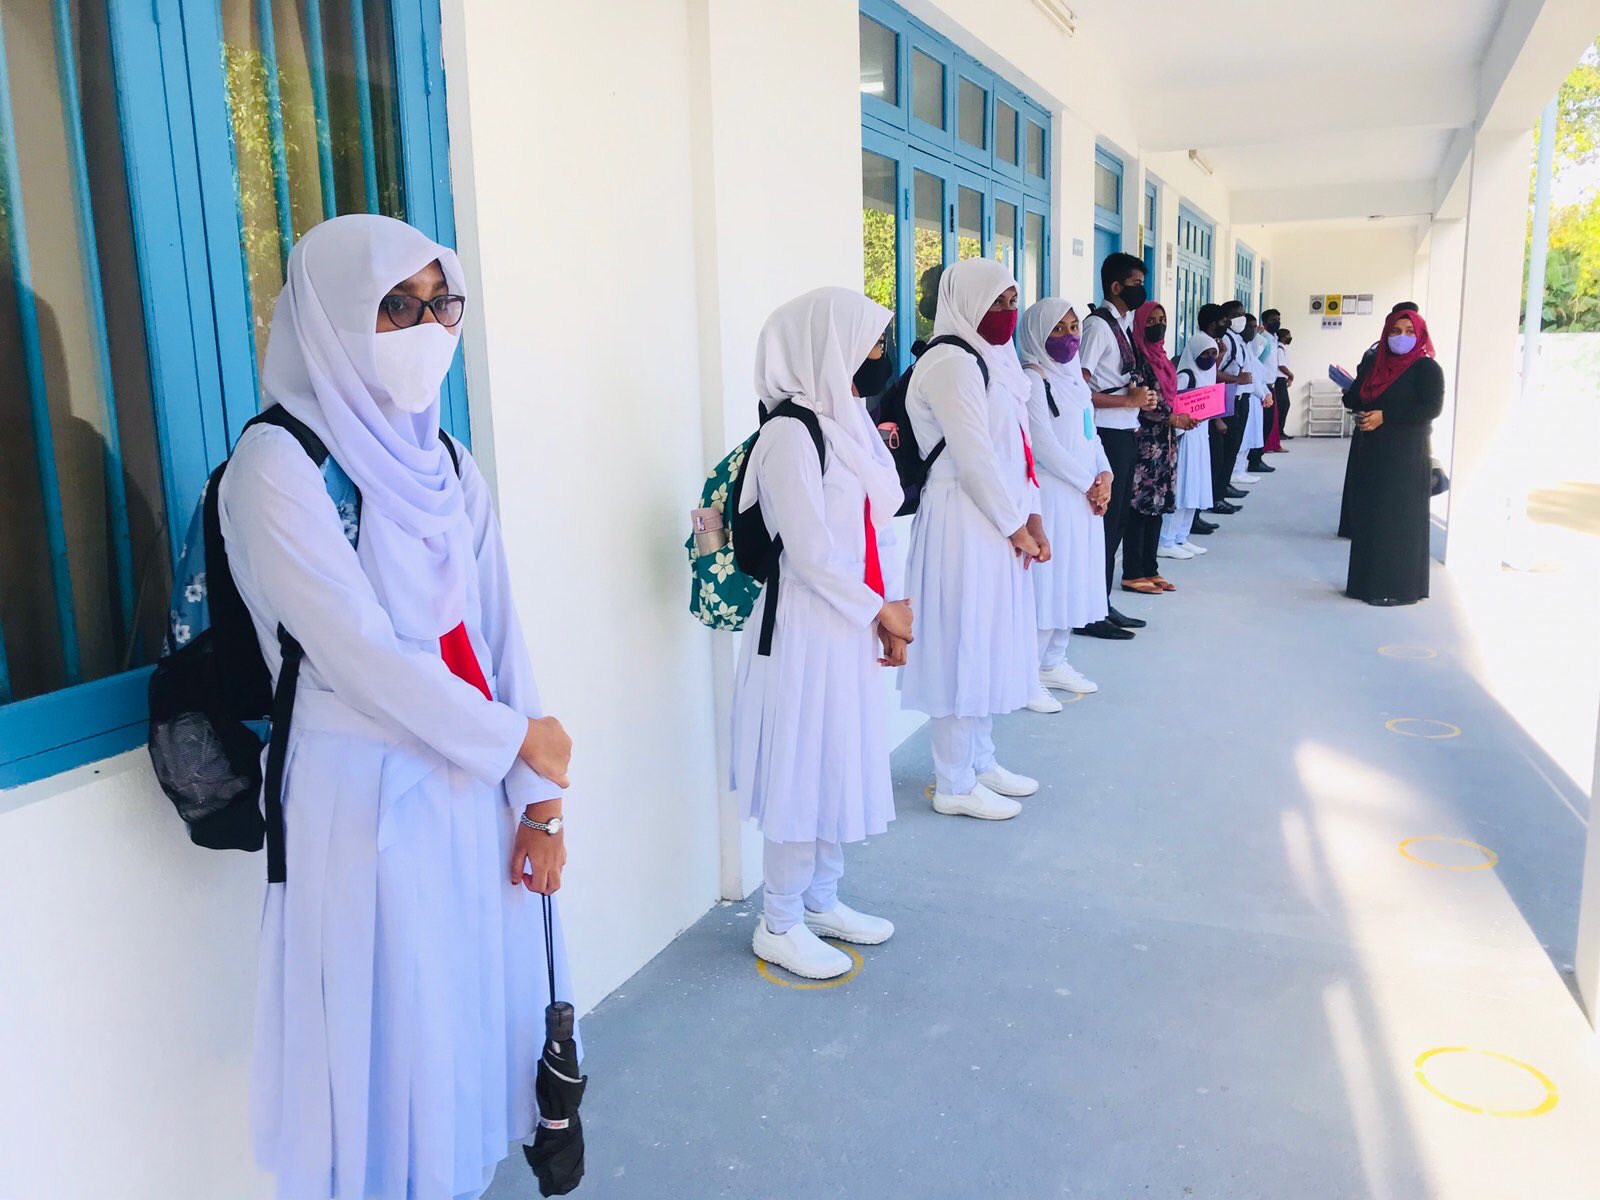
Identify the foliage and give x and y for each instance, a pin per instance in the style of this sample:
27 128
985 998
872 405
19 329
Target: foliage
1572 273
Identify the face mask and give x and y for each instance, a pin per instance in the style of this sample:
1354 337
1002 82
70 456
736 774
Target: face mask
997 326
1206 361
1249 335
1237 324
1134 296
873 376
1155 333
412 364
1402 343
1273 327
1062 348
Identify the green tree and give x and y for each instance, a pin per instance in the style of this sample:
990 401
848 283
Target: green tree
1572 272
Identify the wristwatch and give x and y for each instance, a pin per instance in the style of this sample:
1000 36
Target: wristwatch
552 826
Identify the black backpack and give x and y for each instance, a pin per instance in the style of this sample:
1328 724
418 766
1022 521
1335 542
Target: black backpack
755 551
211 692
909 461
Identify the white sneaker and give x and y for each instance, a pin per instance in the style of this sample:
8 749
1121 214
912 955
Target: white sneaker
799 951
848 925
1007 783
1174 552
1243 478
1065 678
980 802
1044 702
1194 550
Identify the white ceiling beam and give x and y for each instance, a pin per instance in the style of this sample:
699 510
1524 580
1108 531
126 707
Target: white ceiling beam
1332 202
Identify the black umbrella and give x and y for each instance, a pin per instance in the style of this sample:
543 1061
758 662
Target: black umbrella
556 1155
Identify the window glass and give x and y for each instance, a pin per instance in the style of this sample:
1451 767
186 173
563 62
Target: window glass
969 223
879 189
927 89
927 204
880 53
1005 132
971 102
84 567
1005 234
1035 150
1107 188
1032 257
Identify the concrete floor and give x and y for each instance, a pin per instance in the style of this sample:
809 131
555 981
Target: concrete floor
1198 965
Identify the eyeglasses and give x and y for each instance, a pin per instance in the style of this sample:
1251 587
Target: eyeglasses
405 311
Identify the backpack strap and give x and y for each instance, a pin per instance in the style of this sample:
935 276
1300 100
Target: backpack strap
950 339
769 603
449 444
1049 397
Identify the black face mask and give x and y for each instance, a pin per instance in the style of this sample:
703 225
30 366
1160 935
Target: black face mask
873 376
1155 333
1206 361
1134 296
1272 327
1249 334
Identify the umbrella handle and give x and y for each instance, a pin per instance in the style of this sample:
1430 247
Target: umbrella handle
549 946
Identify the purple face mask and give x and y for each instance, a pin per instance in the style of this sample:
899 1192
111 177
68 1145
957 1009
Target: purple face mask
1402 343
1063 348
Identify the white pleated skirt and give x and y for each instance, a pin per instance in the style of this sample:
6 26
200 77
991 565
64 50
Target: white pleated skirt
1070 590
976 652
1193 487
810 747
402 986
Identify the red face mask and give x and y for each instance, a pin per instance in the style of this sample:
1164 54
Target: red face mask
997 326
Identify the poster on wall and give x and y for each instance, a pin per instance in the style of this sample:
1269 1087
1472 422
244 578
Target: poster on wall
1317 302
1352 305
1364 304
1331 305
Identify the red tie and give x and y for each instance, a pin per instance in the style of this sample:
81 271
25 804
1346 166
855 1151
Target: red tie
1027 453
456 650
874 579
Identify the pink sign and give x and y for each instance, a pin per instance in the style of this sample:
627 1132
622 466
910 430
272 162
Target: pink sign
1202 402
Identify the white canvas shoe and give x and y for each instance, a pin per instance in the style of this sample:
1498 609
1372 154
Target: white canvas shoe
1066 678
799 951
1194 550
1007 783
1243 478
1044 702
848 925
1174 552
980 802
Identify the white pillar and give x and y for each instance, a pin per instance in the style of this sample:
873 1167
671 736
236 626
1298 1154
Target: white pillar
1486 375
1447 245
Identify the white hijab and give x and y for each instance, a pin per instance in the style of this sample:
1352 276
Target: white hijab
415 543
808 352
1199 342
1066 379
966 291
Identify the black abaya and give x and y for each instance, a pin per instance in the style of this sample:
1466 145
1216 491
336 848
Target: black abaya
1387 487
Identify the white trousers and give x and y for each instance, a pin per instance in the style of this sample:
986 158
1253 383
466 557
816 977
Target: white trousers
1053 648
1175 526
962 746
798 876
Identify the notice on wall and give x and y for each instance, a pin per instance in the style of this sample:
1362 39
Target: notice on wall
1333 322
1364 304
1317 302
1332 305
1352 305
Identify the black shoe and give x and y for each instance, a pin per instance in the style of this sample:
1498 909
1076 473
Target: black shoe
1205 530
1199 526
1288 437
1234 493
1123 622
1224 508
1106 630
1263 468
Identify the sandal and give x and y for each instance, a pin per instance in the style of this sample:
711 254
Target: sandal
1145 587
1163 584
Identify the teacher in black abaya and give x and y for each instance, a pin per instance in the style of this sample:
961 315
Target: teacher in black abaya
1396 396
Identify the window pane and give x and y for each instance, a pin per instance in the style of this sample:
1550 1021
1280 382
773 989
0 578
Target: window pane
928 234
1005 234
1036 150
972 100
1107 188
84 568
361 148
880 54
1032 257
879 190
1005 132
927 89
969 224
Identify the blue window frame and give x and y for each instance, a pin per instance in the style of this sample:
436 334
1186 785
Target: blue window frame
1150 230
1192 269
210 140
1108 178
969 157
1244 270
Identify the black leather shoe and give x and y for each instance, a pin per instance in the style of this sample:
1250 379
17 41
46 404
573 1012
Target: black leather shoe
1224 508
1201 526
1106 630
1232 493
1263 468
1122 622
1205 530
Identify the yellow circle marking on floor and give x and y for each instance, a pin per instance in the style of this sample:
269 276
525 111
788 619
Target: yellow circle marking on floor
1411 653
1401 725
1490 858
1552 1095
1071 697
816 985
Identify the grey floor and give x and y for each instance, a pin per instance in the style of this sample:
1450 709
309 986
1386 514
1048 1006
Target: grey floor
1198 965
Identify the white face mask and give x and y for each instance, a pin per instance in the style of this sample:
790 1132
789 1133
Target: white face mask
1237 324
412 364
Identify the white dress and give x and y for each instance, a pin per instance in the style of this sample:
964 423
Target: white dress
976 652
402 984
1069 591
810 757
1193 485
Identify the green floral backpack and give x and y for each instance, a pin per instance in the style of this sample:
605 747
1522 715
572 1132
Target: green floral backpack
732 557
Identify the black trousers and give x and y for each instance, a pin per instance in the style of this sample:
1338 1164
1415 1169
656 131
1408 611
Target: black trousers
1140 539
1121 453
1281 391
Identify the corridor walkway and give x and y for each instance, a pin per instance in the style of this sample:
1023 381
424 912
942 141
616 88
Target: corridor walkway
1205 961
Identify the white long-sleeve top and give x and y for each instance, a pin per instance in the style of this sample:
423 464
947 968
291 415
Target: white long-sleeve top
294 566
1060 447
